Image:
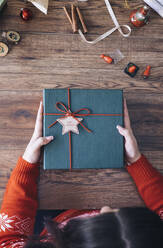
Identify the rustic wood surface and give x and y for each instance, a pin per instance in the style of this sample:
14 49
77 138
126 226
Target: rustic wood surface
51 56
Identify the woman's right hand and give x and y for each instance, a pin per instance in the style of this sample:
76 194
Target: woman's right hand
131 146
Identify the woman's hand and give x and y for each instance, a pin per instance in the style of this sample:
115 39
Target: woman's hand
131 146
33 150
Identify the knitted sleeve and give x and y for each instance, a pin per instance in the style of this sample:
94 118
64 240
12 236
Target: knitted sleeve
18 210
149 183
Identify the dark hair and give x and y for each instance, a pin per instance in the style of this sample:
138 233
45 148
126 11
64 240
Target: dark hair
127 228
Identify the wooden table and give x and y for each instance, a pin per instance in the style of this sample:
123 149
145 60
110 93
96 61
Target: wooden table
51 56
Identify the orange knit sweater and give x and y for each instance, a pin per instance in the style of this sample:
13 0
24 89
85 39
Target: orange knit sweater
18 210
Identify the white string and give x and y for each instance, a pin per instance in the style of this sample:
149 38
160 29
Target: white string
117 27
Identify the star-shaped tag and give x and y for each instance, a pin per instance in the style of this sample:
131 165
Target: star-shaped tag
69 124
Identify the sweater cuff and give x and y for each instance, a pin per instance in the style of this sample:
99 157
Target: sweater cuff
25 172
142 170
25 163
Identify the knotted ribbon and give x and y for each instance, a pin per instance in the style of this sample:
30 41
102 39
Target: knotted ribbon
67 112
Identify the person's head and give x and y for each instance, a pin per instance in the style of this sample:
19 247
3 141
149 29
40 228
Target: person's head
118 228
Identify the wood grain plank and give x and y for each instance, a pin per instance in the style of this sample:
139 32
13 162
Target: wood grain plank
56 47
87 186
75 63
81 189
56 21
83 78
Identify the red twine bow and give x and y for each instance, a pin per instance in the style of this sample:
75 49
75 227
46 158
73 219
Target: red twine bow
67 112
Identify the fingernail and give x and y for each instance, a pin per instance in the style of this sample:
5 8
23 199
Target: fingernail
50 137
117 126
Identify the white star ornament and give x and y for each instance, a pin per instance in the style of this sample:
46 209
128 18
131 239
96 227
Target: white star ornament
69 124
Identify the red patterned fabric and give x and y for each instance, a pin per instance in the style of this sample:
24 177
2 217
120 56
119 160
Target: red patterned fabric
18 210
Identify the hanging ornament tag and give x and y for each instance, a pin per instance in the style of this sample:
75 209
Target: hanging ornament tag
69 123
117 27
3 49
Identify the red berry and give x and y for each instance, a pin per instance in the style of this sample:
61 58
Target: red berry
108 59
132 68
146 73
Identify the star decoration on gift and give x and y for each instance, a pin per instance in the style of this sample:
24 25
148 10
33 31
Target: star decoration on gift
69 124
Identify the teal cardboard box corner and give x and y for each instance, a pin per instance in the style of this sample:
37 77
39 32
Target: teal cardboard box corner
102 148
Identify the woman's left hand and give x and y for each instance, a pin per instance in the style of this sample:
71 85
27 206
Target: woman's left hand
33 149
131 147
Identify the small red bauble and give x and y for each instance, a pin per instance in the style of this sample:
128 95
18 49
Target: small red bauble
140 16
26 14
146 73
108 59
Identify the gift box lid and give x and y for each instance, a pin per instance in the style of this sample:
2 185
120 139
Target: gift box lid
101 148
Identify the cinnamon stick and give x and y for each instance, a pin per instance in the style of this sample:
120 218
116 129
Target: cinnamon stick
74 19
82 20
67 14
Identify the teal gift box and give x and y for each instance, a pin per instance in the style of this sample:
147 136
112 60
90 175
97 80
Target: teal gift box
99 149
